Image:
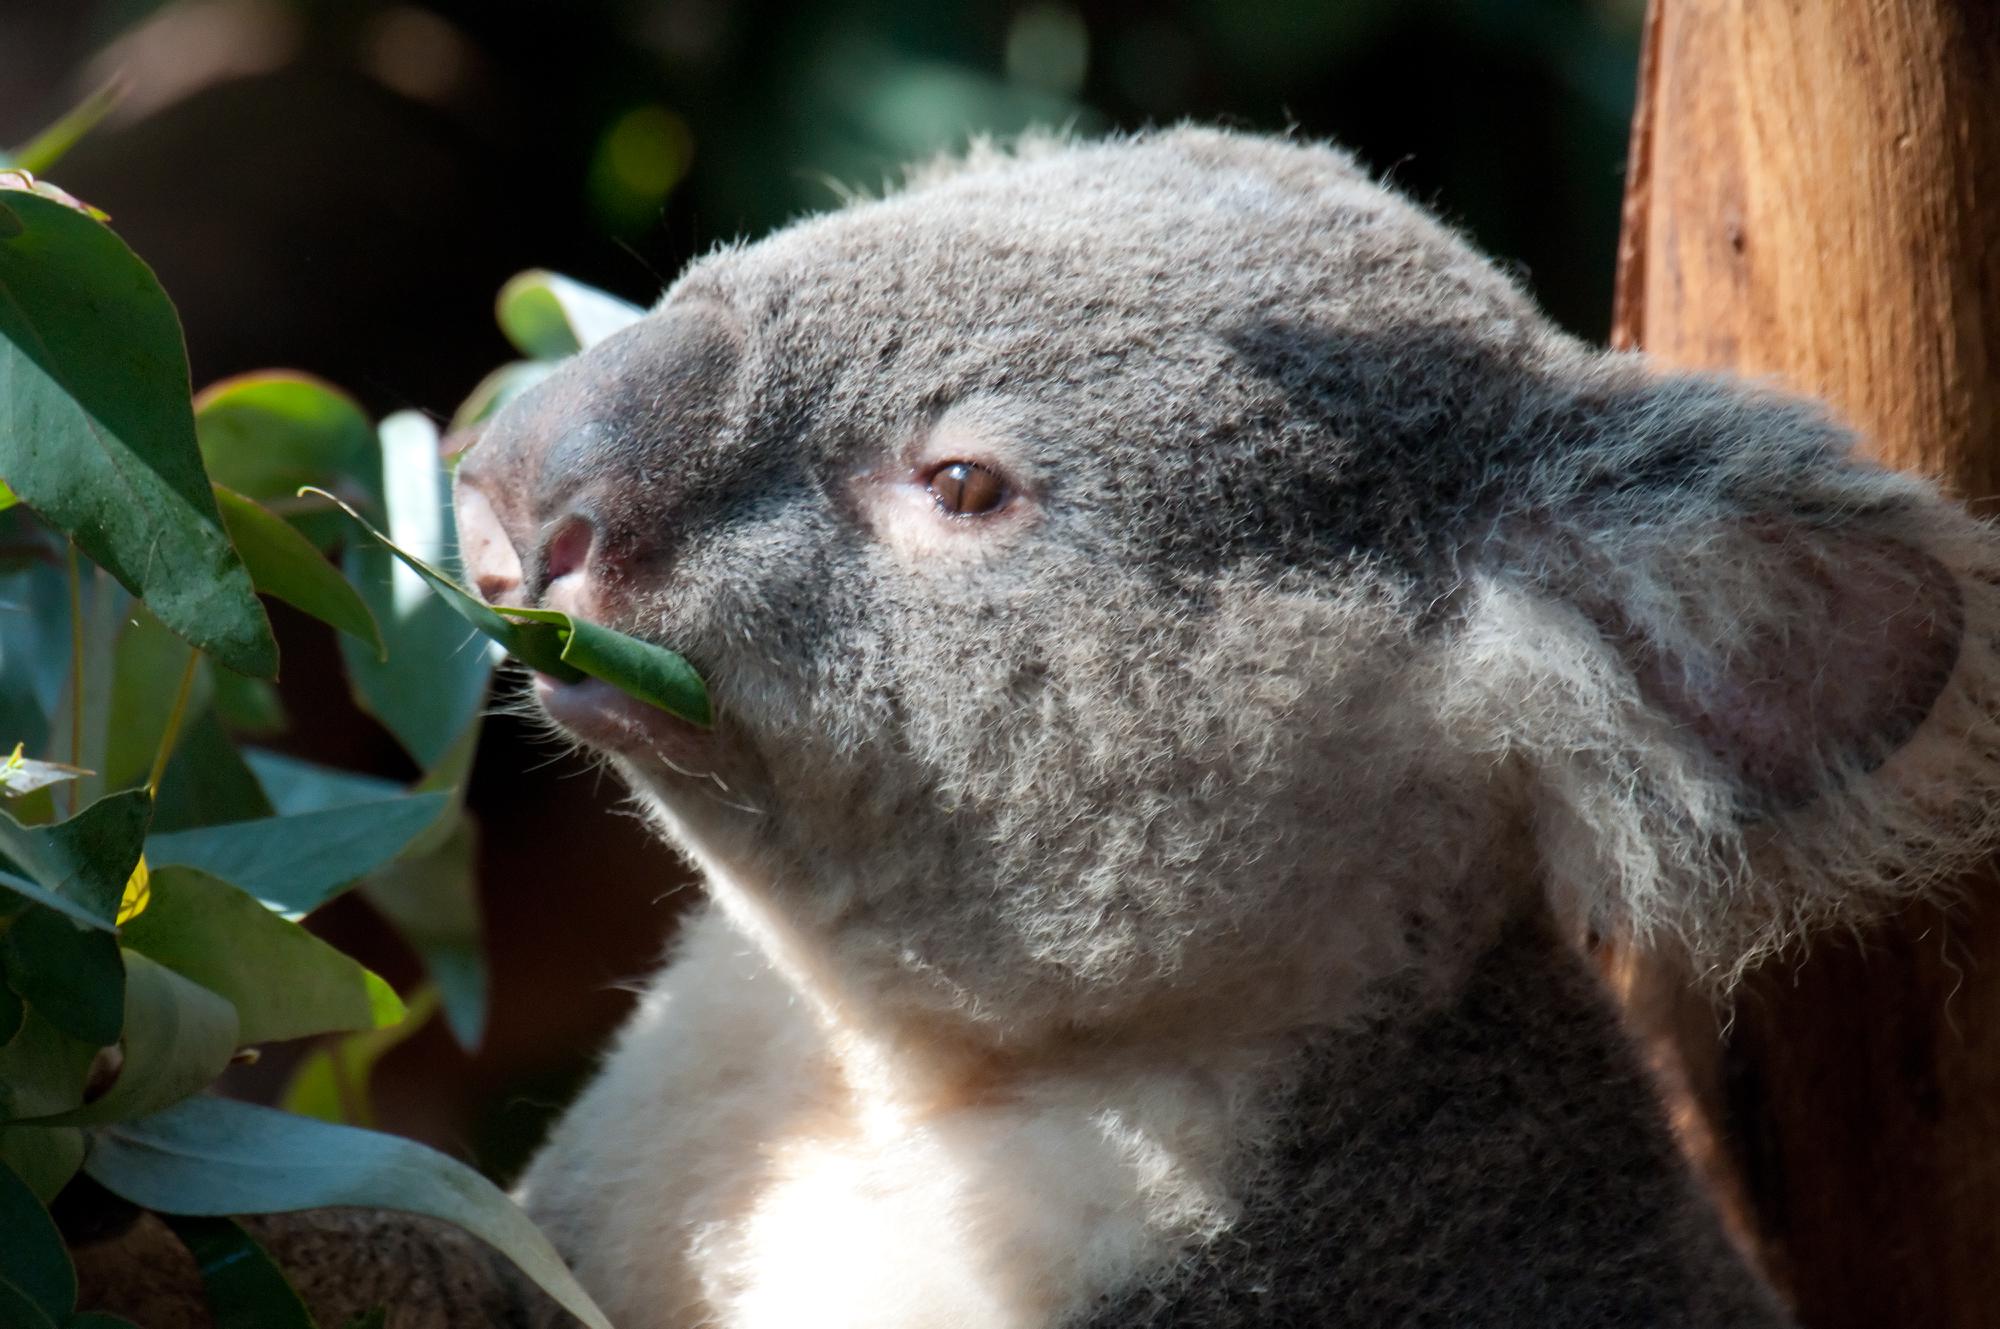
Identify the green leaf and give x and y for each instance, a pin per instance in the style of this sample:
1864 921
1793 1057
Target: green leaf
265 435
331 1083
548 316
43 1071
146 671
249 706
80 866
7 497
284 982
34 652
45 1157
294 864
13 179
214 1156
33 1258
19 1311
435 679
245 1287
207 783
13 1011
97 433
284 563
295 786
178 1037
45 149
636 668
570 649
432 899
70 975
498 388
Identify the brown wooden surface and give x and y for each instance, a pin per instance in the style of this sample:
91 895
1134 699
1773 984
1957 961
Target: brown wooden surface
1815 199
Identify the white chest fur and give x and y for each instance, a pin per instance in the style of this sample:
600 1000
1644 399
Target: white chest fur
729 1170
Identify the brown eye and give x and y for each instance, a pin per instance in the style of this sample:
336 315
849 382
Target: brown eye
966 489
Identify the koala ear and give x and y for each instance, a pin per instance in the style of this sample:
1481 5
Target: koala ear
1754 679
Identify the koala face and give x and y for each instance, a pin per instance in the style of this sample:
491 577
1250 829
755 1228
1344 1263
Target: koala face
1175 581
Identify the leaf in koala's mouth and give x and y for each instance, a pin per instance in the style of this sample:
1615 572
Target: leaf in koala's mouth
567 649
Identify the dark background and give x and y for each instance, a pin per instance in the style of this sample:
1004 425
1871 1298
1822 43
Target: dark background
342 187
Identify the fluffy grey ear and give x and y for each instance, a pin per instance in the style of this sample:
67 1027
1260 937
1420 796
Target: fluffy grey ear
1754 679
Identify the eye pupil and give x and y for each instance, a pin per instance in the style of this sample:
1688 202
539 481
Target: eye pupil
966 488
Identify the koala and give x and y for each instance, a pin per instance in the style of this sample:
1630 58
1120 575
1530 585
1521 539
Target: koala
1192 646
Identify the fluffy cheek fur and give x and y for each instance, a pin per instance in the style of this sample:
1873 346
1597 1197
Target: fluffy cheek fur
1093 831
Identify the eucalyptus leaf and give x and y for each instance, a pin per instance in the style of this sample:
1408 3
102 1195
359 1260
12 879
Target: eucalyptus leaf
283 563
45 1157
432 900
569 649
21 887
13 1011
178 1037
264 435
295 864
249 706
85 861
294 785
548 316
45 149
206 783
19 1311
34 653
214 1156
498 388
33 1258
70 975
244 1286
146 671
331 1083
97 432
435 679
284 982
43 1070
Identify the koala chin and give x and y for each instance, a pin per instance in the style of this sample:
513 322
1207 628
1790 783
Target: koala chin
1191 643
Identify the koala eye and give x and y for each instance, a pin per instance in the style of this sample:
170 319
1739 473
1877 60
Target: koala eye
966 489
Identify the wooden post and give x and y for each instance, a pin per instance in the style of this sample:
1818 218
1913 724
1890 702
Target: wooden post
1814 199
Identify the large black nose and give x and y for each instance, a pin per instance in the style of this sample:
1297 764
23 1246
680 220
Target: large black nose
570 487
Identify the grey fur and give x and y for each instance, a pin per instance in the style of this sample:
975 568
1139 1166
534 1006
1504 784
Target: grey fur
1359 616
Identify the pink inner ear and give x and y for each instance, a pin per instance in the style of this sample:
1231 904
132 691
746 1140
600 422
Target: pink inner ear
1860 640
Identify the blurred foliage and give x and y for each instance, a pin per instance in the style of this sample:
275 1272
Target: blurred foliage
151 937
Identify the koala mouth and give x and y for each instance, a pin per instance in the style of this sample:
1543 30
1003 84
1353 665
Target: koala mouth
601 716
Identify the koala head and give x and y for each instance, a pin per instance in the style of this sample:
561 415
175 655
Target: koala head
1175 580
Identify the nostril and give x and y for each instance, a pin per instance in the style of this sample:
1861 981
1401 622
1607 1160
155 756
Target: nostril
488 555
567 549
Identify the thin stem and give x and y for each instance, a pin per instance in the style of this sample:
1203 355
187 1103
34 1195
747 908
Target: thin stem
75 670
174 718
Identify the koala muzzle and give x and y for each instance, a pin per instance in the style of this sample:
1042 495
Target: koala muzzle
575 485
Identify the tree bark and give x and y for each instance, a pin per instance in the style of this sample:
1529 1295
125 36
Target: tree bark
1814 199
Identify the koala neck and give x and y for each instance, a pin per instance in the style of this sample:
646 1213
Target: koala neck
928 1057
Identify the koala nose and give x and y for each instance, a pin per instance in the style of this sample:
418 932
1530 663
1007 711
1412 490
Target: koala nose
484 549
574 485
526 560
